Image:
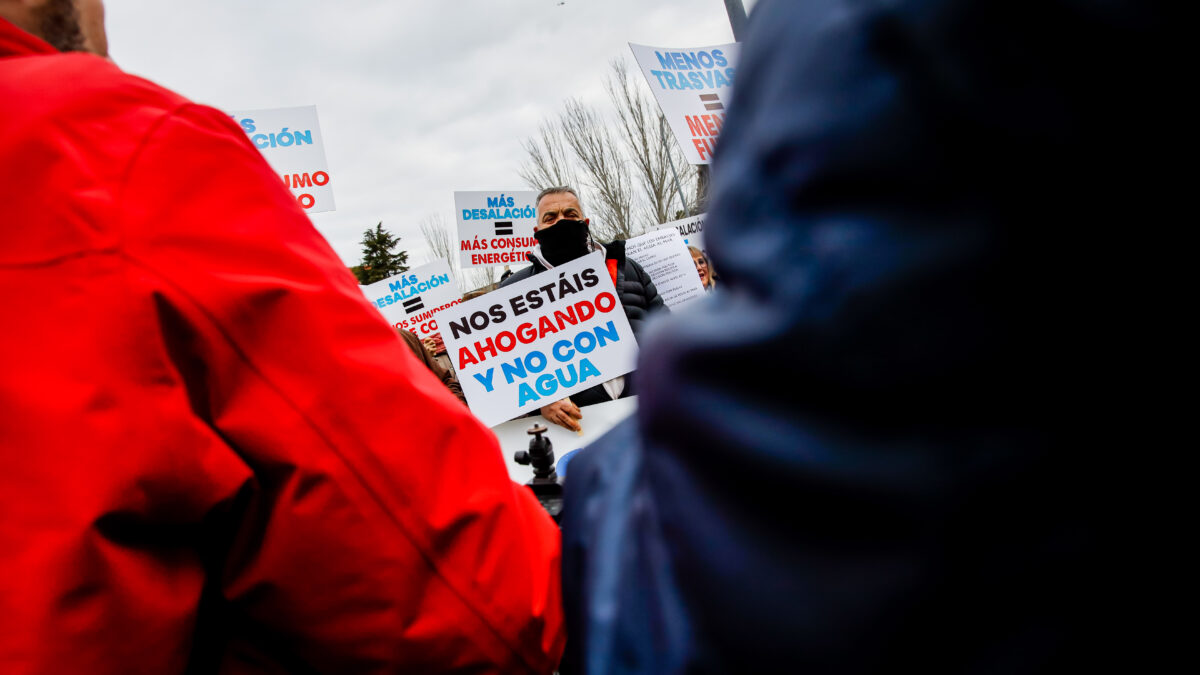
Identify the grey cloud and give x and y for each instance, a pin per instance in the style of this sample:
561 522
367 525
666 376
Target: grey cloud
416 100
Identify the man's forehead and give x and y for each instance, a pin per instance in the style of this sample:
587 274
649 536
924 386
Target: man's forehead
558 201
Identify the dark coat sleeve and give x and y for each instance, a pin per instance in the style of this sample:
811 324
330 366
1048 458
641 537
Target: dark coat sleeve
654 301
894 198
638 294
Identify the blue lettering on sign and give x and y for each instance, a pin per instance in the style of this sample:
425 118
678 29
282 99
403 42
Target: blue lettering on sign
534 362
500 212
513 371
709 79
609 332
691 60
563 351
547 385
279 139
486 378
402 282
584 343
407 286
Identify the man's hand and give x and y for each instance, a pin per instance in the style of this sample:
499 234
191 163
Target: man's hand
563 413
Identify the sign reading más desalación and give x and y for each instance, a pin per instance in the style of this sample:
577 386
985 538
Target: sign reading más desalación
494 228
290 140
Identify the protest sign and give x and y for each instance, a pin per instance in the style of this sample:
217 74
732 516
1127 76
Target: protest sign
290 140
667 260
408 300
692 87
539 340
494 228
691 229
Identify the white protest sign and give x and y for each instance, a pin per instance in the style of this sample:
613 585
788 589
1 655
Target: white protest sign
691 229
408 300
598 418
692 87
667 260
494 228
290 140
539 340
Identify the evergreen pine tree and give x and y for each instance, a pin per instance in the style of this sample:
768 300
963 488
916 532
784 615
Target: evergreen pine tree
378 261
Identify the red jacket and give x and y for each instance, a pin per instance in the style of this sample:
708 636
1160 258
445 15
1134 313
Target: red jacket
216 454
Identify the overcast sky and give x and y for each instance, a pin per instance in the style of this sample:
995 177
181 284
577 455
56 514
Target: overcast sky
416 99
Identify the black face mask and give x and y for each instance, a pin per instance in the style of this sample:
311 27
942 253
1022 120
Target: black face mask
564 241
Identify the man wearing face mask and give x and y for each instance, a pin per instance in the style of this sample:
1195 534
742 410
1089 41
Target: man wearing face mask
562 235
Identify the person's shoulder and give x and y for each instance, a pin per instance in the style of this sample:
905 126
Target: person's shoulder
411 339
645 282
86 78
637 268
86 95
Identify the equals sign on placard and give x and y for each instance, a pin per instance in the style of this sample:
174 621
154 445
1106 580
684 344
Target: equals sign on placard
413 304
711 102
504 228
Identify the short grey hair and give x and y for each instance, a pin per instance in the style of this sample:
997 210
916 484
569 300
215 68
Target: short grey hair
558 190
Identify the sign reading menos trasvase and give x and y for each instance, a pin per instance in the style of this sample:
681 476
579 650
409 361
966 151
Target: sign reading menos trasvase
692 86
539 340
494 228
409 300
290 140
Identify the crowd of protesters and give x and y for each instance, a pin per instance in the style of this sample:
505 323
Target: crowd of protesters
911 213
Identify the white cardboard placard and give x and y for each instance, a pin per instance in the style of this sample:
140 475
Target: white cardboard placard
539 340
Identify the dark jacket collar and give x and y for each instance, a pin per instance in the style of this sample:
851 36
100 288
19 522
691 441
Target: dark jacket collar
615 250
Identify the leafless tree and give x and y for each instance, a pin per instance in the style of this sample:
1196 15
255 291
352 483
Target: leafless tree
478 277
631 172
605 175
651 147
548 163
578 143
440 239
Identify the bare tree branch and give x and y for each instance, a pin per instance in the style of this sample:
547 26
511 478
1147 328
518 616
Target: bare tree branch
604 169
441 242
479 277
548 163
648 151
631 174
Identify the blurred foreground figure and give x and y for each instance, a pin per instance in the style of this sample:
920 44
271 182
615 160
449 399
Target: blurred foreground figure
921 211
217 455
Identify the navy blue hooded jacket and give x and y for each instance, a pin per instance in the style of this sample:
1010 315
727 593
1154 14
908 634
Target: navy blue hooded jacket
879 445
